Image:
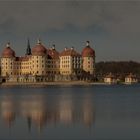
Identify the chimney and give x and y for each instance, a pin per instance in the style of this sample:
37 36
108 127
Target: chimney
72 48
65 48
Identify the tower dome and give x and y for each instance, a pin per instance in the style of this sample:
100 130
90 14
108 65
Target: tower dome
8 52
88 51
39 49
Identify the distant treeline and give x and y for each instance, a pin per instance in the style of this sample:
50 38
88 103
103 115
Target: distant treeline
121 68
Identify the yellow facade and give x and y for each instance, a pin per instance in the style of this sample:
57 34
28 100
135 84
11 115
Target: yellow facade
38 65
89 64
65 65
7 66
69 62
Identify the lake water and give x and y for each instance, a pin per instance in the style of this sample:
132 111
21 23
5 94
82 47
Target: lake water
70 113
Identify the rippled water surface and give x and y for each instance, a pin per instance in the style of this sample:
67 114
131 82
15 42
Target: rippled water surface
70 112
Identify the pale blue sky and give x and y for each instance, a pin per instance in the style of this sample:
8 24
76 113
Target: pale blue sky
112 27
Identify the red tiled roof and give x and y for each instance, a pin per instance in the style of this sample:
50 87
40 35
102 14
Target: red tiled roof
53 53
131 76
110 75
69 52
22 58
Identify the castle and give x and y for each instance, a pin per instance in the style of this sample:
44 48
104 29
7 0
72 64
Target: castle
41 64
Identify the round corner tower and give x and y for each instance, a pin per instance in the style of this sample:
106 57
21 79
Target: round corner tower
88 57
39 59
7 61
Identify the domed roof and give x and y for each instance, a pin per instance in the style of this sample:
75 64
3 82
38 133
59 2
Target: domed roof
8 52
88 51
39 49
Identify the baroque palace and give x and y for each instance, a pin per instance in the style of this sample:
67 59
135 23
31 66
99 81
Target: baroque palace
41 64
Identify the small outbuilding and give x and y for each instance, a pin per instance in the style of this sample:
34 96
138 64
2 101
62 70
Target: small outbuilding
110 79
131 79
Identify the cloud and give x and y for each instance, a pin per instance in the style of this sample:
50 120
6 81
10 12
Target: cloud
40 16
29 16
119 20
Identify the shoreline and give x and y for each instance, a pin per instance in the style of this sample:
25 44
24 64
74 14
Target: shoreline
51 83
64 83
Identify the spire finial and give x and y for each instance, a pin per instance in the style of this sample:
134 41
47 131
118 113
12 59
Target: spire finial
8 44
53 46
39 41
87 43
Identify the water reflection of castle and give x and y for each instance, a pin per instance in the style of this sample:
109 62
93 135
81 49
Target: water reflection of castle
41 112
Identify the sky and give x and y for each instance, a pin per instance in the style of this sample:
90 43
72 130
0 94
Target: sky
112 27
